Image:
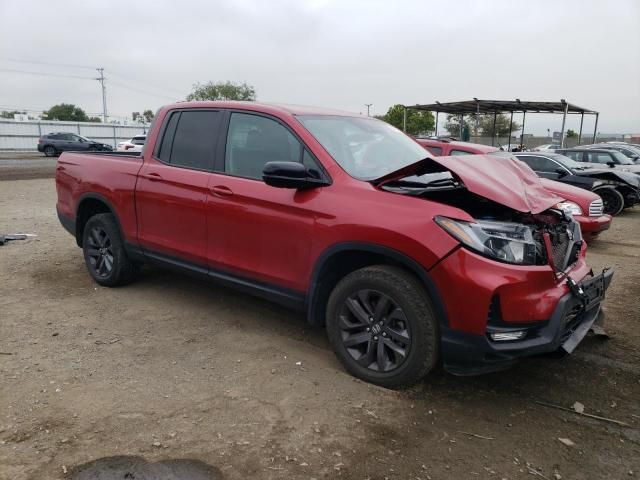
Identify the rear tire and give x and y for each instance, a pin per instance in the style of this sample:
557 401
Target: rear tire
612 199
49 151
104 252
381 324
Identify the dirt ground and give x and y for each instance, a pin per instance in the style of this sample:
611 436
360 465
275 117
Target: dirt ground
172 368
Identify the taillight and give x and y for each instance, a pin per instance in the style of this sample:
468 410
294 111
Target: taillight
127 147
40 140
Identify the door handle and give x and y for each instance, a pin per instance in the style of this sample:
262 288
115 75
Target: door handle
221 191
154 177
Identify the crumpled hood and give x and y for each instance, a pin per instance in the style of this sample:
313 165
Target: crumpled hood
506 181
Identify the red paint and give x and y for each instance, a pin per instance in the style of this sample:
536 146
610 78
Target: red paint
277 235
590 226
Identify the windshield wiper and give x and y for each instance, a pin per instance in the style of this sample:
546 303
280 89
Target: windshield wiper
412 187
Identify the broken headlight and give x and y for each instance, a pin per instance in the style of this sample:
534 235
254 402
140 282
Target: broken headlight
504 241
570 207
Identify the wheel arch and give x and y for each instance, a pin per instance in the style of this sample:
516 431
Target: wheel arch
343 258
91 204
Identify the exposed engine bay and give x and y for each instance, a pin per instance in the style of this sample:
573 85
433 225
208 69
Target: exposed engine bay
500 232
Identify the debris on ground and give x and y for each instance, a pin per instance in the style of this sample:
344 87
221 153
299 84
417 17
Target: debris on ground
589 415
8 237
566 442
475 435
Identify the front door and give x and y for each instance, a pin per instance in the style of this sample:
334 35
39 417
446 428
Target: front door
257 231
172 188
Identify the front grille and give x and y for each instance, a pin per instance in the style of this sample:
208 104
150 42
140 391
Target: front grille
559 245
596 208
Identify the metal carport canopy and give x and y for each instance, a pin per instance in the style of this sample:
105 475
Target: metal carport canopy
476 106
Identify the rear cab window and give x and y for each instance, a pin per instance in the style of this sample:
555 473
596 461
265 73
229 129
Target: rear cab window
189 139
456 152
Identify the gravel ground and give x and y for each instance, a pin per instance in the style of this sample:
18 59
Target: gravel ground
171 374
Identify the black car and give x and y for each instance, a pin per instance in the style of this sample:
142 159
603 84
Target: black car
53 144
600 157
617 189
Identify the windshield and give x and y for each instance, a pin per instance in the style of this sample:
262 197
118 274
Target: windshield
569 162
621 158
366 148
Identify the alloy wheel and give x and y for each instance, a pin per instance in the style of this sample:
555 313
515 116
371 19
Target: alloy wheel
374 330
100 252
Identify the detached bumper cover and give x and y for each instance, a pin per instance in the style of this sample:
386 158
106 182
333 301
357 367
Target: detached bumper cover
468 354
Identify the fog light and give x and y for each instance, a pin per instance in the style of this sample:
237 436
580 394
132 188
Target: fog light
507 336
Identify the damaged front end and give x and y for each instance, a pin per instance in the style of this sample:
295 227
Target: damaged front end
500 232
521 270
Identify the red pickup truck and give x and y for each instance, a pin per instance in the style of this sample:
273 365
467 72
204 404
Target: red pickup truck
408 260
586 207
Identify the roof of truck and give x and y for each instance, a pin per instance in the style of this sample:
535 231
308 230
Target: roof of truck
266 108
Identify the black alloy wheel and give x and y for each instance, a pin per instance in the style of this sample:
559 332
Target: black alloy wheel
374 330
104 252
382 327
100 252
612 200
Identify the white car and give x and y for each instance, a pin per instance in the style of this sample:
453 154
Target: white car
133 145
548 146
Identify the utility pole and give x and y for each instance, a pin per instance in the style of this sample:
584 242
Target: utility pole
104 94
368 105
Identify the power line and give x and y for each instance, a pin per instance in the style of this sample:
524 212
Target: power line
44 74
173 98
35 62
147 85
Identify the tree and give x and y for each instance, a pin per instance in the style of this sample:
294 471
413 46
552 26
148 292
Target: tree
453 125
66 111
222 91
418 122
5 114
148 115
571 133
136 116
502 126
94 119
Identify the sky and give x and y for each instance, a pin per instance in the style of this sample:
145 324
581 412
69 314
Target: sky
330 53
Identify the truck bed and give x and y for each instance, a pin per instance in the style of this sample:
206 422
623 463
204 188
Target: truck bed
109 176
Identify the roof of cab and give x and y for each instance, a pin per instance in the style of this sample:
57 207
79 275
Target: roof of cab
273 108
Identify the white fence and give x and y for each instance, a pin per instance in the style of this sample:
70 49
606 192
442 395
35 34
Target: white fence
23 136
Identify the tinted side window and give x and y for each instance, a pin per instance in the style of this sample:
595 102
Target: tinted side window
540 164
455 153
598 157
437 151
195 140
253 140
577 156
164 151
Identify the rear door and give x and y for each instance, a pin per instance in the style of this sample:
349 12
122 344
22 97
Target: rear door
172 188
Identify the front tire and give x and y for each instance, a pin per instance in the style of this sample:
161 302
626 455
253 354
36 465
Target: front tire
612 199
382 327
104 253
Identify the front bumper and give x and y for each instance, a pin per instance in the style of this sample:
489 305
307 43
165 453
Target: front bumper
592 226
465 353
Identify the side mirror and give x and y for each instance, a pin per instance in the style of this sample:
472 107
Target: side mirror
611 164
561 172
289 175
